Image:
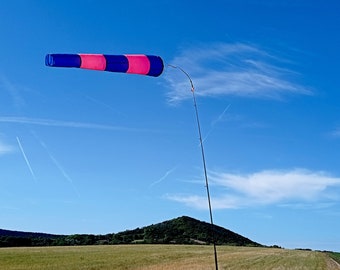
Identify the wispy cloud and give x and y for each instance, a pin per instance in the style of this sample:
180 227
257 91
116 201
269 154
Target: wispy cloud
65 124
12 90
231 69
5 148
335 133
297 186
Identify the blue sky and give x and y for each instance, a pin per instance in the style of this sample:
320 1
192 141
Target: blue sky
97 152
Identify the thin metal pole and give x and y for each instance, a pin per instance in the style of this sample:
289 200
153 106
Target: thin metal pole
204 164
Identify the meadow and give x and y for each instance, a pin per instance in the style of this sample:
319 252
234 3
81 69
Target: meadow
165 257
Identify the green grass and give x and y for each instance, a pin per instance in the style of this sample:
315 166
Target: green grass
160 257
335 256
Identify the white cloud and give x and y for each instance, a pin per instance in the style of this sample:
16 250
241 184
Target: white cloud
231 69
267 187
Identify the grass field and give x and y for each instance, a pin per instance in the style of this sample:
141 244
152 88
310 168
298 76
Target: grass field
160 257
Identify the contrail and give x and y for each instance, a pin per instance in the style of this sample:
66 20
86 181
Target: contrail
56 163
68 124
164 176
57 123
26 159
61 169
104 105
218 119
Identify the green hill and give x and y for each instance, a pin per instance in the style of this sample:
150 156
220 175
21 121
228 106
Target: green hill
182 230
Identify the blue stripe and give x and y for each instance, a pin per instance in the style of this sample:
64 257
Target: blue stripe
156 65
63 60
116 63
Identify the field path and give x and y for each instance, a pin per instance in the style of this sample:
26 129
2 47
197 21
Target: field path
333 264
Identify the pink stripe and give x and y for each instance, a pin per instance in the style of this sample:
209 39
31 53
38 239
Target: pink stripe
138 64
93 61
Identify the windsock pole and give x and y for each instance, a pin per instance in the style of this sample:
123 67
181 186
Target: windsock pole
204 162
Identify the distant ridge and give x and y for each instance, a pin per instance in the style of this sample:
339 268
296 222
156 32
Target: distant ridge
27 234
181 230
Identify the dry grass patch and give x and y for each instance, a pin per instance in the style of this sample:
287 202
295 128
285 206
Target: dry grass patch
151 257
